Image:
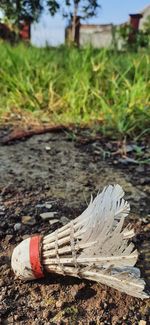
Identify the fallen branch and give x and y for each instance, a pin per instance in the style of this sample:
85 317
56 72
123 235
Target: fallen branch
21 134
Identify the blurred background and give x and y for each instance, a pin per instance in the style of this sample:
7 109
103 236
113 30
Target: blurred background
102 49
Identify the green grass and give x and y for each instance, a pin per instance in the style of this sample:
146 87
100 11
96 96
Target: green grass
67 85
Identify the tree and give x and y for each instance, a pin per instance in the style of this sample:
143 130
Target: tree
147 25
18 9
73 9
31 9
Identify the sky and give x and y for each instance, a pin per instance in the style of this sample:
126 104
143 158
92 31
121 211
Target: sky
51 30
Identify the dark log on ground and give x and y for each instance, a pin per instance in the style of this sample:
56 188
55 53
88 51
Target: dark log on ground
22 134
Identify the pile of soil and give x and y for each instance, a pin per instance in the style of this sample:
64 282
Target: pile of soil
57 173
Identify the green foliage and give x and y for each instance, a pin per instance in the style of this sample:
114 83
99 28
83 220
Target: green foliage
147 25
32 9
67 85
16 9
138 40
85 8
124 31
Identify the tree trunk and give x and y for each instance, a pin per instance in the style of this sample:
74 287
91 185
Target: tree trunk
18 10
74 21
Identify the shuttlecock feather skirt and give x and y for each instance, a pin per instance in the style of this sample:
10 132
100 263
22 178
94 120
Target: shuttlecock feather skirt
94 246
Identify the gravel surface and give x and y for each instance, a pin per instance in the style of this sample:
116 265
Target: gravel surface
52 174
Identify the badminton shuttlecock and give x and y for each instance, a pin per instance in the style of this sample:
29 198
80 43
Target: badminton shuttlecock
94 246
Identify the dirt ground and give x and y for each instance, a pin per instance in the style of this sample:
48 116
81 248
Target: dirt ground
57 173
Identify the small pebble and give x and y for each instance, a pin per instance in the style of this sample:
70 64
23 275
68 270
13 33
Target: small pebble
8 238
47 148
38 206
64 220
58 304
147 227
142 322
48 205
2 213
114 319
10 320
4 225
140 169
48 215
25 236
17 226
52 222
74 290
28 220
2 208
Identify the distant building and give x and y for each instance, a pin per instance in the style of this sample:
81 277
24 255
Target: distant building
145 14
25 29
10 34
95 35
102 36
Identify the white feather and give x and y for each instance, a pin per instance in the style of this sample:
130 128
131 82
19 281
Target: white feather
95 245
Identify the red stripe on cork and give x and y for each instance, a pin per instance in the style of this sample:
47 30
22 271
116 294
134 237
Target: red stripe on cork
35 262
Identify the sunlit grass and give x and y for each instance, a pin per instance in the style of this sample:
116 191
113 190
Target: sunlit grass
67 85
